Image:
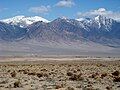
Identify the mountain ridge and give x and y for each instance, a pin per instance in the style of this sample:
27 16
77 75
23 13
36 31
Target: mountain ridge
102 30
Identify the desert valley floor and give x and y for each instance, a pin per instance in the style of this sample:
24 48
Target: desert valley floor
59 73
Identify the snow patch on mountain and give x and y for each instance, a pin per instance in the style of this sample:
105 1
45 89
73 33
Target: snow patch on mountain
80 19
104 21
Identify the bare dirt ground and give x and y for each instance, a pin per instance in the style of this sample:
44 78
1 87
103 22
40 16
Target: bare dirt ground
63 73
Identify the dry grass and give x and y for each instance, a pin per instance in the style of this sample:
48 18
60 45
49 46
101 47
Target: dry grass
80 74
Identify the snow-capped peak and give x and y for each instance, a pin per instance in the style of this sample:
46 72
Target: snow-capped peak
98 22
107 22
24 21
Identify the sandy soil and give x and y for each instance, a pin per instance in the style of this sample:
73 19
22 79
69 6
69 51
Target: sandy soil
64 73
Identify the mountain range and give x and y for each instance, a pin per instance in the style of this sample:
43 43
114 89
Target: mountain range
99 33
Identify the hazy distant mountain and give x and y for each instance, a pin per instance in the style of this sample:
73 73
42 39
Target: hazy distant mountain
100 29
57 30
24 21
98 33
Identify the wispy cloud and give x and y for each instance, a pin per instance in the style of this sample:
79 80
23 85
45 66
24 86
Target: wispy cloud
65 3
100 11
40 9
2 9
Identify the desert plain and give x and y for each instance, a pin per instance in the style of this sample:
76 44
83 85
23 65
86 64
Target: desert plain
60 73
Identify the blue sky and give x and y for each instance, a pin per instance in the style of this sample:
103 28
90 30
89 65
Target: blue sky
51 9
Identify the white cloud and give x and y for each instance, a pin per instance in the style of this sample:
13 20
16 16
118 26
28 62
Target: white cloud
100 11
65 3
40 10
